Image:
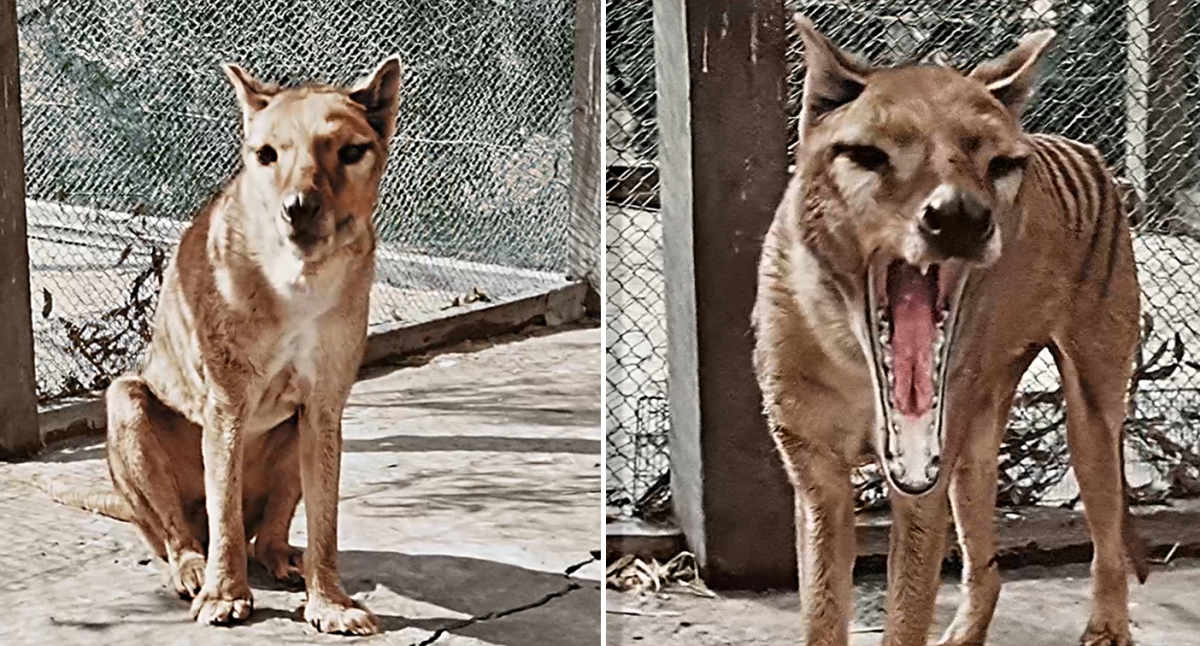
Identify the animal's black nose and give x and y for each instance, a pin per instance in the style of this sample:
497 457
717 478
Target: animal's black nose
957 224
301 208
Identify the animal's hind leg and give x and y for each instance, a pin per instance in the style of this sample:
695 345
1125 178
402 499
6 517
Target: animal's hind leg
1094 385
279 472
154 458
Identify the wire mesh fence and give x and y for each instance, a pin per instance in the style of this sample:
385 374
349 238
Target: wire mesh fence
1124 75
636 366
129 124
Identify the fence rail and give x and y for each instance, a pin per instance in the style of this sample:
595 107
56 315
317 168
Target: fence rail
1124 75
129 125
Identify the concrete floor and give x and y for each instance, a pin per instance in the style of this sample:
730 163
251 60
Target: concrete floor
1039 606
470 489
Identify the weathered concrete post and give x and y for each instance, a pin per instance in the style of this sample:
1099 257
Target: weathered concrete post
18 396
583 249
1166 121
722 112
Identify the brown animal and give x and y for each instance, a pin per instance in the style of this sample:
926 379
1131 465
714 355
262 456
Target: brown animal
235 410
925 252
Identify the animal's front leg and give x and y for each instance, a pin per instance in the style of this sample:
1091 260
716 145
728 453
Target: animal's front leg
225 596
918 543
825 542
328 607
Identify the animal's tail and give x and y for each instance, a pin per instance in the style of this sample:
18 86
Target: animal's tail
1135 546
105 502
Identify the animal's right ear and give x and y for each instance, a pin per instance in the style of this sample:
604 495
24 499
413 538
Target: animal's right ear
253 95
379 95
835 77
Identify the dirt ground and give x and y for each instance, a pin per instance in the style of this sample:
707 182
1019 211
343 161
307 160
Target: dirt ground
470 515
1039 606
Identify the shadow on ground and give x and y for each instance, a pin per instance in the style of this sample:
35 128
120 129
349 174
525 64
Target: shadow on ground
516 399
506 604
511 605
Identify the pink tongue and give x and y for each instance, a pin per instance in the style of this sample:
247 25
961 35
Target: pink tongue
911 303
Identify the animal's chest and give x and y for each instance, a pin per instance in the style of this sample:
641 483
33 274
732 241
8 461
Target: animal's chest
291 372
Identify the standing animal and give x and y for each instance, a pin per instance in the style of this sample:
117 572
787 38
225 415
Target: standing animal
925 252
235 410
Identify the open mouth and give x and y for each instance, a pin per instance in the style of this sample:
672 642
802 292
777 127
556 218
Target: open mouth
309 236
305 239
911 312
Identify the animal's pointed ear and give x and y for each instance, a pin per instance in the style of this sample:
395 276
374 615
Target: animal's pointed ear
253 95
379 93
834 78
1011 77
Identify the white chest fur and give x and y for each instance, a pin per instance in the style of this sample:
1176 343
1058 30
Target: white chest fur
292 364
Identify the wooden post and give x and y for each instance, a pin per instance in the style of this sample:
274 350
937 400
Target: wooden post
583 251
18 388
722 113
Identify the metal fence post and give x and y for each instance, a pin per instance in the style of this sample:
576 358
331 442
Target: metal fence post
722 112
18 399
584 232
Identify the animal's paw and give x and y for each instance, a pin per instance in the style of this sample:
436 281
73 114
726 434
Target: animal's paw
958 635
1107 633
333 616
214 606
284 562
187 575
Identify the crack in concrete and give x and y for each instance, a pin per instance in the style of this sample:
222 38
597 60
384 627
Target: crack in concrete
595 556
536 603
463 623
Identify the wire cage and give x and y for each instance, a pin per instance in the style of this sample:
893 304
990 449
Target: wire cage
1124 75
129 124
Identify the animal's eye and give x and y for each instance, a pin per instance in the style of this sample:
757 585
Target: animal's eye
1003 166
353 153
266 155
865 157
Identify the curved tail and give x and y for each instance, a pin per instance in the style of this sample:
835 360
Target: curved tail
105 502
1135 546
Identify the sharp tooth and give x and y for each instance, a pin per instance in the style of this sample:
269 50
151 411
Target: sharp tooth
925 269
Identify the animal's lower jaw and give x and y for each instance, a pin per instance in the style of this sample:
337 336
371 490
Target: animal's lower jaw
909 318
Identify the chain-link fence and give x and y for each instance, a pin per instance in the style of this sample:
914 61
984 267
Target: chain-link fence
1123 75
636 370
129 124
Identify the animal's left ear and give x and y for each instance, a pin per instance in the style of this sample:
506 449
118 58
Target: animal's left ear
1010 78
379 93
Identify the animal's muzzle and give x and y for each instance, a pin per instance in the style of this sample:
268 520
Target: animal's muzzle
956 224
301 209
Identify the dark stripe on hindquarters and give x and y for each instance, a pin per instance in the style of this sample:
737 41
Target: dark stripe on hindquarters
1114 250
1106 215
1089 162
1064 181
1075 169
1050 165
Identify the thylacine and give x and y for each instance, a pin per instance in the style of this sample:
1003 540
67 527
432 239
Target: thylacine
926 251
235 410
